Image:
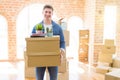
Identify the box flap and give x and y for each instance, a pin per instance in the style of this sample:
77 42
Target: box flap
42 38
109 42
42 54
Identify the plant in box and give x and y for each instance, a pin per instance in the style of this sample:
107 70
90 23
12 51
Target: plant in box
49 32
39 28
39 31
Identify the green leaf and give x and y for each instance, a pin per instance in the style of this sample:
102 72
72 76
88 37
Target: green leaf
39 27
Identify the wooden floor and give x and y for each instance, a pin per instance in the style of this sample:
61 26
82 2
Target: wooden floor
77 71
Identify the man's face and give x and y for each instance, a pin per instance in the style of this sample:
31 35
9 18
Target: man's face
47 13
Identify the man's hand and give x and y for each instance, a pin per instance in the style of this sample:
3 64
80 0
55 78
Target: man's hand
62 53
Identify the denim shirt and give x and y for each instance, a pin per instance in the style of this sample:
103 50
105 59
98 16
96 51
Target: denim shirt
57 30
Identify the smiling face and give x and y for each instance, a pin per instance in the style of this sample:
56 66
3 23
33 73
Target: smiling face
47 13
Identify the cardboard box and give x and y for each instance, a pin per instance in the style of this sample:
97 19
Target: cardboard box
114 75
102 69
43 60
104 64
113 69
66 36
63 76
109 42
63 67
43 45
108 49
105 58
29 72
116 62
43 51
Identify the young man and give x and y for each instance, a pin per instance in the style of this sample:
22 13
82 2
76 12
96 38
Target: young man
57 30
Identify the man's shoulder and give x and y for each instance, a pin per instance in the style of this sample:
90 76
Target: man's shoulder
55 24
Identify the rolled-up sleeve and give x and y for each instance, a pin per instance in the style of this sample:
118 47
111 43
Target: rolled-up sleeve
62 41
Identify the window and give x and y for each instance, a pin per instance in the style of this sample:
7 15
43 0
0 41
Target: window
3 39
110 22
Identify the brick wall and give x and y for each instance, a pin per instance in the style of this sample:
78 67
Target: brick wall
99 26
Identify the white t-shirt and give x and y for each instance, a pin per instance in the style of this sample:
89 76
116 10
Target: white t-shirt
47 26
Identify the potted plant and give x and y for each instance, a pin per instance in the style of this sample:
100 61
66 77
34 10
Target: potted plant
39 28
49 32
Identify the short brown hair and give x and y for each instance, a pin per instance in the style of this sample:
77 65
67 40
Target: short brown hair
48 6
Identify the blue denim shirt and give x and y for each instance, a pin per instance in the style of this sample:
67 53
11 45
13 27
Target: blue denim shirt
57 30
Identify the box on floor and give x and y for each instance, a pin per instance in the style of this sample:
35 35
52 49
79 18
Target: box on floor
116 62
104 64
109 42
105 58
108 49
29 72
63 76
102 69
114 75
63 67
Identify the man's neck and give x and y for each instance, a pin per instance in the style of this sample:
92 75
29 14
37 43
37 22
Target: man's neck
47 21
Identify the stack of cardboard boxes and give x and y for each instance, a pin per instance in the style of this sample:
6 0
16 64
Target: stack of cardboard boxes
41 51
45 52
105 58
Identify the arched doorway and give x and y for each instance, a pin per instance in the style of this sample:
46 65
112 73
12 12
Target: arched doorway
74 25
3 38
